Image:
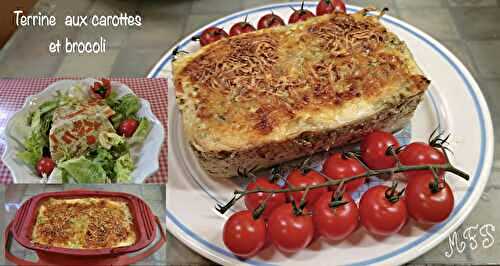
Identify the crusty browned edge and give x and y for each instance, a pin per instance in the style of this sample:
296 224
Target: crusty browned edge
226 164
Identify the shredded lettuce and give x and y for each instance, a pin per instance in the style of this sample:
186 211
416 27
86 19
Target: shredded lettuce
33 146
40 122
128 105
83 170
125 107
109 139
141 132
72 96
104 158
47 107
123 167
112 99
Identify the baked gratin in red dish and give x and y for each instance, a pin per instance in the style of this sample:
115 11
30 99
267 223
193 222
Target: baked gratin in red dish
262 98
84 223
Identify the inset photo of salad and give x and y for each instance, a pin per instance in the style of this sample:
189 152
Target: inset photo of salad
84 131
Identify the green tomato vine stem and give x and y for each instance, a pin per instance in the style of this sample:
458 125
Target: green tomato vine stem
398 169
448 167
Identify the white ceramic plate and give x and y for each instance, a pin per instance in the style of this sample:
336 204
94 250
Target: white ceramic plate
145 156
453 102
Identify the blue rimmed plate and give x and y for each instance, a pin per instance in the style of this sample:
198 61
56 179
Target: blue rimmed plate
454 103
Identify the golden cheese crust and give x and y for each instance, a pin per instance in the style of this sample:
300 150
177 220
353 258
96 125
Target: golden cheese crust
273 85
87 223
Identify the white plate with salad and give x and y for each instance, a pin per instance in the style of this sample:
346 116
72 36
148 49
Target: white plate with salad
83 131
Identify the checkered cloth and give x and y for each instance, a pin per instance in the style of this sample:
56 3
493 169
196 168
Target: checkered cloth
13 93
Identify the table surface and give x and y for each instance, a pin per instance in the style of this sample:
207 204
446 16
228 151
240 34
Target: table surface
469 28
14 195
13 93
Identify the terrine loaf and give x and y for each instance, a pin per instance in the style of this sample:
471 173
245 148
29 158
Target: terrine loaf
270 96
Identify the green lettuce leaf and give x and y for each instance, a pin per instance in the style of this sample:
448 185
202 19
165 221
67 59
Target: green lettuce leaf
105 159
33 146
123 167
83 170
109 139
125 107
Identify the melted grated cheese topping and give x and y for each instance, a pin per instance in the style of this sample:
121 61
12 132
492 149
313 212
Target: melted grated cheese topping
274 84
87 223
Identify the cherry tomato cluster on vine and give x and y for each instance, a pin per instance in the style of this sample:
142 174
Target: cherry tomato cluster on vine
213 34
290 221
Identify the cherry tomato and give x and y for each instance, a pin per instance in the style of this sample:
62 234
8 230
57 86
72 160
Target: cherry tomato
374 149
335 223
290 232
338 166
379 215
102 89
128 127
269 21
244 235
329 6
45 166
298 179
211 35
91 139
252 201
428 202
241 27
300 15
419 153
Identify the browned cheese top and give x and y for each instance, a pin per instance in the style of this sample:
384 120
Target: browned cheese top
263 84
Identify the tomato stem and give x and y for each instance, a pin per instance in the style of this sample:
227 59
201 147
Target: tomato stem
336 200
276 173
304 167
298 210
261 208
333 182
436 184
382 12
223 208
303 201
365 10
399 168
391 194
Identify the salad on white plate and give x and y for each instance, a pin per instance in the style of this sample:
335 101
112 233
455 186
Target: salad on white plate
84 134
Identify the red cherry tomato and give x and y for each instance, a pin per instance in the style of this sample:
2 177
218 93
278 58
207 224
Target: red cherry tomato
300 15
45 166
290 232
128 127
329 6
335 223
428 204
211 35
269 21
338 166
298 179
244 235
374 149
419 153
241 27
379 215
252 201
101 90
91 139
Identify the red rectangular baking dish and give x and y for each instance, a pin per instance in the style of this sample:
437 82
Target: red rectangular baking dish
144 221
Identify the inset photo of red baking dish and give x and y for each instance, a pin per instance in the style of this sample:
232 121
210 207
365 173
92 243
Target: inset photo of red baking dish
143 220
